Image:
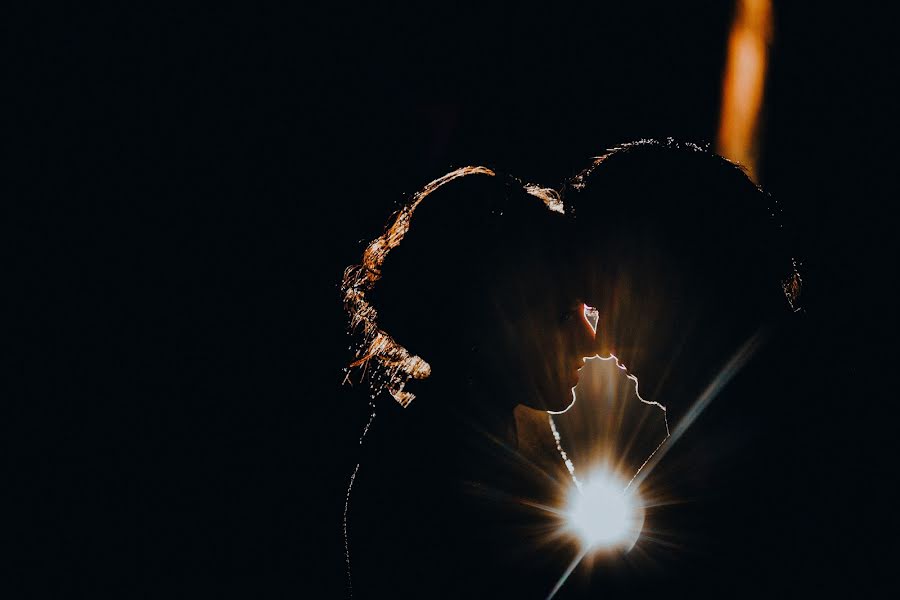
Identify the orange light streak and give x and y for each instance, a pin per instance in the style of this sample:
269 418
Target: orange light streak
743 83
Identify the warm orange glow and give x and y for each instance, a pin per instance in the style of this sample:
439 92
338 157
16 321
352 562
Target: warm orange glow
743 83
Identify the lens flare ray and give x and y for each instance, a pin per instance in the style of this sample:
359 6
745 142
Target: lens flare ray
602 512
731 368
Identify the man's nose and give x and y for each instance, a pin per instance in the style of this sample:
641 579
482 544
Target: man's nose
588 340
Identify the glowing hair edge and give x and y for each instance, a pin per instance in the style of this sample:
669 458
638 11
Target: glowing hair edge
390 365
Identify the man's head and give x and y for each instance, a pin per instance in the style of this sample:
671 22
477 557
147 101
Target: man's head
682 256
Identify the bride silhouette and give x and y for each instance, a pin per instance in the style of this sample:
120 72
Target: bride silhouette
462 310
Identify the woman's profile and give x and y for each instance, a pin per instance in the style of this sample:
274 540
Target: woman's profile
462 312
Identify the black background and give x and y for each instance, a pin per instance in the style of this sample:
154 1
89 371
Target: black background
190 185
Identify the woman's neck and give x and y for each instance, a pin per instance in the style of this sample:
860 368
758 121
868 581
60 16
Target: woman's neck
469 410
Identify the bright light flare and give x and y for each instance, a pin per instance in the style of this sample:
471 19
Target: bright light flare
603 514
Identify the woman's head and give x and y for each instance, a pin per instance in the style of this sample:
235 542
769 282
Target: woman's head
466 288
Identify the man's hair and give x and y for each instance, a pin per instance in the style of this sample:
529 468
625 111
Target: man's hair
697 203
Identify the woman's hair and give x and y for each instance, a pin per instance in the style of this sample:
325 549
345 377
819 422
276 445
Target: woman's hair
463 236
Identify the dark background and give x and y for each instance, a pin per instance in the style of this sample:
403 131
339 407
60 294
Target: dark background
189 186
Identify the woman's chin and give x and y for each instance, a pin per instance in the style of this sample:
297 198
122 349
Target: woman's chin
559 402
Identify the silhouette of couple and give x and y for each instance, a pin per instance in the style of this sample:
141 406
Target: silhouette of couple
473 303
